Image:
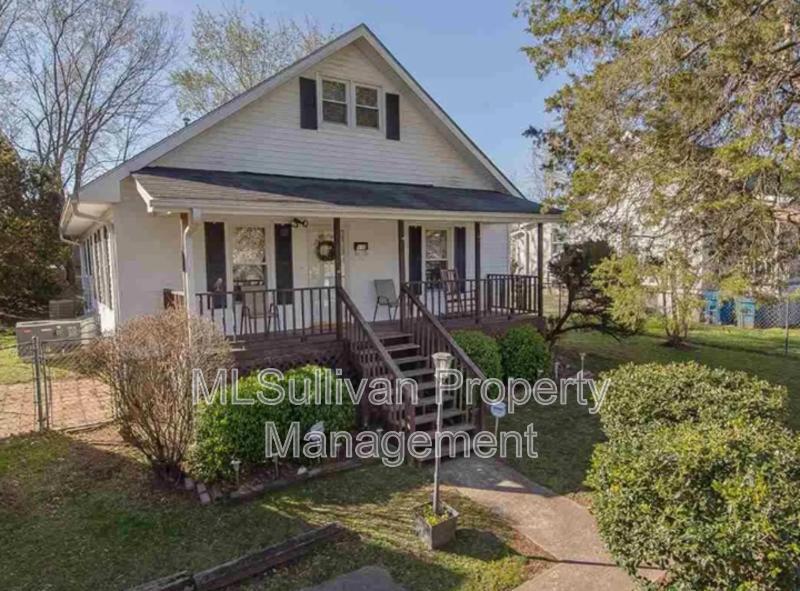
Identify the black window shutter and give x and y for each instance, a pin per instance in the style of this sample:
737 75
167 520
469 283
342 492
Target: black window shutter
460 254
284 277
392 116
308 103
216 275
415 256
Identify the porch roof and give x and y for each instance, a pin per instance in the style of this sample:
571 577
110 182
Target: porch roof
179 188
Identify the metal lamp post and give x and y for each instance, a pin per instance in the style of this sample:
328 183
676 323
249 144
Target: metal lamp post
441 363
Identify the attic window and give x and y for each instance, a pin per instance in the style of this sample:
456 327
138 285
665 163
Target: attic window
367 107
334 101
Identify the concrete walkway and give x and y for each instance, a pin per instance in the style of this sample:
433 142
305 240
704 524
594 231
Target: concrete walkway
558 525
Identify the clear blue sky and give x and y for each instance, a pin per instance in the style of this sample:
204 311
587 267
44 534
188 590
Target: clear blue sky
465 53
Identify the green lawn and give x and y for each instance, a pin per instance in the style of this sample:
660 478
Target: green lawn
13 370
770 341
76 516
567 434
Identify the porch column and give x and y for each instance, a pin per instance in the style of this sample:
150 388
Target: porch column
186 262
478 283
401 257
540 268
337 249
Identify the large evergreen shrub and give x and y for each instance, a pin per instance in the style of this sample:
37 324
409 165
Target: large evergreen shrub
227 431
483 350
641 397
713 504
525 353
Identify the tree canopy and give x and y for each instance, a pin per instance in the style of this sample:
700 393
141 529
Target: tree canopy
234 50
31 254
679 125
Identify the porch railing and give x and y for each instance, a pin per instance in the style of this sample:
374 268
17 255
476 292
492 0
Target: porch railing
372 360
496 295
257 312
428 332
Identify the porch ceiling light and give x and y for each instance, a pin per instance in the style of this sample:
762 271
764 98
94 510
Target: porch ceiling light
297 222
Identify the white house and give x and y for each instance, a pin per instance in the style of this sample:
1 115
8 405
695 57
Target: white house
278 213
250 191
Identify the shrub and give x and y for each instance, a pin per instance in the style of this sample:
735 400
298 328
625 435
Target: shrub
713 504
228 431
525 353
643 396
148 365
483 350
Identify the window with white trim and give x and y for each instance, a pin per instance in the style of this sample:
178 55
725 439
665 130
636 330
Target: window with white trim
334 101
97 248
368 111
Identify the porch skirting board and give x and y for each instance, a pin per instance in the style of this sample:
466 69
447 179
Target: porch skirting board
285 353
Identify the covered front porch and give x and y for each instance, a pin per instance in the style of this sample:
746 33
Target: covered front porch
365 277
277 278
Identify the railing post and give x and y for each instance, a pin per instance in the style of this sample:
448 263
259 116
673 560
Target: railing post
540 268
401 257
478 280
337 248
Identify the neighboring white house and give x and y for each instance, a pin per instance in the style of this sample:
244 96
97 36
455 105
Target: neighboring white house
246 199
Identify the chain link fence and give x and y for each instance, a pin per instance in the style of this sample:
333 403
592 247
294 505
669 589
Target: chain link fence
47 385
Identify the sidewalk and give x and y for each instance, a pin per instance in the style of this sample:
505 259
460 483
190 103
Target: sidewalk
557 524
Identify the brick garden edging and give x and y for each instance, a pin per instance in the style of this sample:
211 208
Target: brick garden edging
248 565
246 491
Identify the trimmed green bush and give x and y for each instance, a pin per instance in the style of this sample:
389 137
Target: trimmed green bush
228 431
483 350
713 504
641 397
525 353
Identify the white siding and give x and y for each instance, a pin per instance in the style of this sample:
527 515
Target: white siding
494 248
148 255
380 262
266 137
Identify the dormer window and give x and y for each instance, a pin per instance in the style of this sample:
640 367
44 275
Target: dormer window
367 107
334 101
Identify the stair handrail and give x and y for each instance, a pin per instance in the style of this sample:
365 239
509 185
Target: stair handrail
453 348
373 339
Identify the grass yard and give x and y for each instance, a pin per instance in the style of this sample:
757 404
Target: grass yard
80 512
568 434
14 370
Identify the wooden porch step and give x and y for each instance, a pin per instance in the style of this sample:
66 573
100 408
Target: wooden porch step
393 336
402 347
447 413
410 359
416 373
429 400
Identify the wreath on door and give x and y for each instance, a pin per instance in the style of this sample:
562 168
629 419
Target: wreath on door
325 250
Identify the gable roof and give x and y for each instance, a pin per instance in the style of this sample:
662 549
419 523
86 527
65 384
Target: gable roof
107 184
170 188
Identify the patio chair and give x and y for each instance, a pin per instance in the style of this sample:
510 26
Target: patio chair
455 290
386 295
254 305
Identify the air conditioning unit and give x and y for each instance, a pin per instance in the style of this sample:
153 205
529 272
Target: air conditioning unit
52 334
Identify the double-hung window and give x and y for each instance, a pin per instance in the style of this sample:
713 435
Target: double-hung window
367 107
334 101
435 254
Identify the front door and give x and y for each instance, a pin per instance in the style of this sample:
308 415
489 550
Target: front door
322 268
